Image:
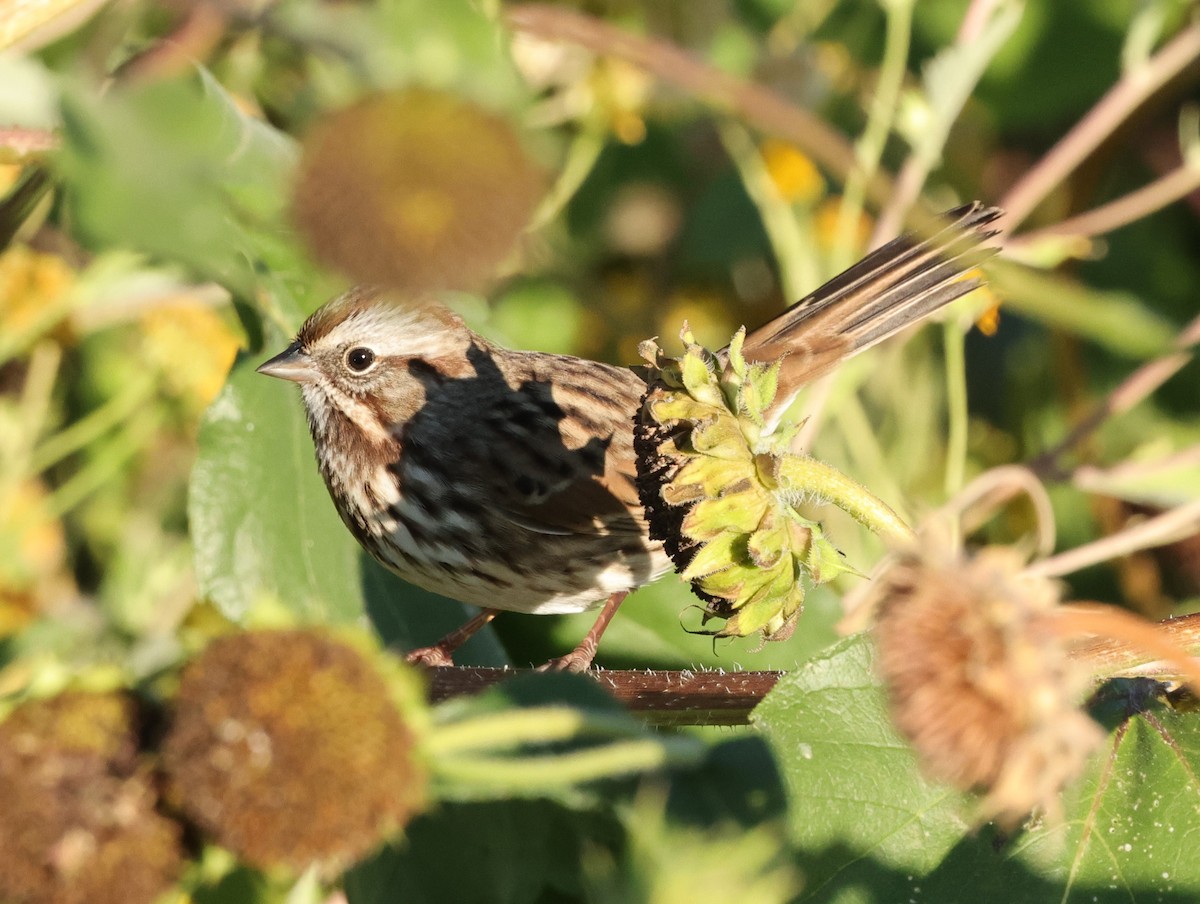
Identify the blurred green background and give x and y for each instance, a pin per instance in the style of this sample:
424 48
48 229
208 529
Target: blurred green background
181 183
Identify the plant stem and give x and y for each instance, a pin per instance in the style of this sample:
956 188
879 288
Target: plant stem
89 428
541 725
581 159
818 479
871 461
1132 390
798 269
609 761
975 504
1134 89
948 81
869 148
1128 641
1169 527
755 105
102 468
956 405
1168 189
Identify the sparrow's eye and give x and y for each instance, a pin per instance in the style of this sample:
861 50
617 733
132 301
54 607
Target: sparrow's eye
360 359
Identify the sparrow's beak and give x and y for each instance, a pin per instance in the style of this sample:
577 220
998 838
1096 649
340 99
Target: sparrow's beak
290 364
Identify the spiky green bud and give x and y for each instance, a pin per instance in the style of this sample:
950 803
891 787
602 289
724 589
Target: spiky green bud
721 489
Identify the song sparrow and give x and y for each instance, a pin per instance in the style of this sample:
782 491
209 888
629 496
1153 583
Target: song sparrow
505 478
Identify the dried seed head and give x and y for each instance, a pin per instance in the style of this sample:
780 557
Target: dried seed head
79 821
979 681
716 488
287 748
419 190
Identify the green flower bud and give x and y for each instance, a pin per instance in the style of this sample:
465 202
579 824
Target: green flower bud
721 491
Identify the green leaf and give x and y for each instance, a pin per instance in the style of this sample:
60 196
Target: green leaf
175 169
502 852
868 827
263 525
853 786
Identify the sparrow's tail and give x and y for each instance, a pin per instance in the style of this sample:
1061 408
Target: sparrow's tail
889 289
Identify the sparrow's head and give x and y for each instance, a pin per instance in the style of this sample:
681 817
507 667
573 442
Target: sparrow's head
362 355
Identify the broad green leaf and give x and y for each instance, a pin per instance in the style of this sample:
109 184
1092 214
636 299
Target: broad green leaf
263 525
502 852
869 828
176 170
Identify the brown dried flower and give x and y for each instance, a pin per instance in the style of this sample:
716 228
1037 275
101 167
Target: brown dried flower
287 748
79 811
418 190
979 679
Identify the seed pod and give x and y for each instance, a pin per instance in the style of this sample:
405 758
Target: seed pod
979 681
80 820
287 747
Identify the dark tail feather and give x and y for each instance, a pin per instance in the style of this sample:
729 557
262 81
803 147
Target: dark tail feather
889 289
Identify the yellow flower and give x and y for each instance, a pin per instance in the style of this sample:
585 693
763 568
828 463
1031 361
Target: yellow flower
193 346
31 283
794 173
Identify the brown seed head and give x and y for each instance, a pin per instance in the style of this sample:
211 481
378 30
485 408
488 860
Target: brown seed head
287 748
79 821
418 190
979 682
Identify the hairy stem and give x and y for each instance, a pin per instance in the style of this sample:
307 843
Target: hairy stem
823 481
954 343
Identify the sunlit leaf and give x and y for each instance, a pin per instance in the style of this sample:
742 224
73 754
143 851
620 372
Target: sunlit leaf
869 827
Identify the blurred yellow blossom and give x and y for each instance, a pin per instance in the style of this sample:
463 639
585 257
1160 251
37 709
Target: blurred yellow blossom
32 554
793 172
988 322
704 312
30 283
193 346
619 91
827 224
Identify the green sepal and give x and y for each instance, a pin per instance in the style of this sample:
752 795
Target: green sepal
699 379
717 554
739 511
769 541
713 475
824 561
679 406
721 437
769 609
737 362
